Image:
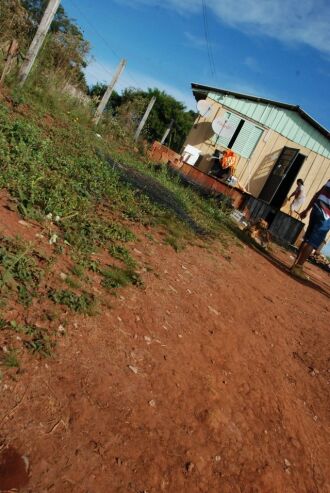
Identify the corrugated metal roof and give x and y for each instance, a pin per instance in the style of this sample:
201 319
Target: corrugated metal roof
288 120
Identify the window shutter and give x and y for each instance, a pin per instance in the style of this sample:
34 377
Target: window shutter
247 139
224 141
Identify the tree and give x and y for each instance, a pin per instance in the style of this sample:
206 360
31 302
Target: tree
167 108
14 22
67 48
97 91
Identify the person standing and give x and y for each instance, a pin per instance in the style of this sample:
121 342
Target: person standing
299 197
318 228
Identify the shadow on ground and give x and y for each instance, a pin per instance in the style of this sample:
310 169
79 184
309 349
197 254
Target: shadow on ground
157 193
245 238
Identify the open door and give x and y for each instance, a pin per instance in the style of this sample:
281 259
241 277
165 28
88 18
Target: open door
278 173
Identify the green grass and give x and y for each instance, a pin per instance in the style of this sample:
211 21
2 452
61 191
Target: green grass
121 253
10 359
72 283
61 168
115 277
19 270
82 303
78 270
177 244
40 343
36 340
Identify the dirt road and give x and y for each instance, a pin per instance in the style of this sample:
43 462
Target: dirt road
213 378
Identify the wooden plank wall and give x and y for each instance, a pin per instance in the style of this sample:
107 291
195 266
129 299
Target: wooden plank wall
252 173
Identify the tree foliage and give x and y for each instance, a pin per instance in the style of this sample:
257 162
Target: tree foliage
65 53
66 49
97 91
130 106
14 22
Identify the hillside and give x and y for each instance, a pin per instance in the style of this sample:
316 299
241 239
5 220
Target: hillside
145 348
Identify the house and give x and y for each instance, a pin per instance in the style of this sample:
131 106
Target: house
275 143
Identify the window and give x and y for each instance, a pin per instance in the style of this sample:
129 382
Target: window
244 139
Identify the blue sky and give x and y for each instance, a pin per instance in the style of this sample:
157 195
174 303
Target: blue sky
273 48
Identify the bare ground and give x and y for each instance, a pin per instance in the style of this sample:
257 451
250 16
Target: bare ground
214 378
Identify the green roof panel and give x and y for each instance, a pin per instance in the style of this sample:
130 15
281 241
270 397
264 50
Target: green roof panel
286 122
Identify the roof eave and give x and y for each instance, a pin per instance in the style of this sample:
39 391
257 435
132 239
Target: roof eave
204 90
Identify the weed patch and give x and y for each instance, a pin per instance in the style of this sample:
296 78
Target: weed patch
40 343
83 303
72 283
121 253
78 270
36 340
10 359
19 269
114 277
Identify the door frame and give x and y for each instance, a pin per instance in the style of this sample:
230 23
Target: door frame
272 173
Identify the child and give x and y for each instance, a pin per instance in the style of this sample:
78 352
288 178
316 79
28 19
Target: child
299 197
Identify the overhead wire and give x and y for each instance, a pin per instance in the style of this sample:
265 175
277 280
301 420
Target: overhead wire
97 32
207 40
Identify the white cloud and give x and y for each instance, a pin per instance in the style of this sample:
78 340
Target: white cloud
252 64
291 21
197 41
102 72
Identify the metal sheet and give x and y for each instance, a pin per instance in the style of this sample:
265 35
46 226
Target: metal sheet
284 121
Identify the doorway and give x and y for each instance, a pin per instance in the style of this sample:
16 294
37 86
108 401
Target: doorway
282 177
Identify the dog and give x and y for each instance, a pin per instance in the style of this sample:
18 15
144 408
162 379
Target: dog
258 231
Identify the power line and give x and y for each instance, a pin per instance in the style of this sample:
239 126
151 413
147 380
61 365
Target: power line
95 62
208 44
97 32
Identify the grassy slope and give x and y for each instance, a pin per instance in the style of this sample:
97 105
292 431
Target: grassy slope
50 163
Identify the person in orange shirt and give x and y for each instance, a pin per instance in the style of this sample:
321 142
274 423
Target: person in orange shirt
227 164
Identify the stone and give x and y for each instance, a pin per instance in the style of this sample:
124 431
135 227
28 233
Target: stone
189 467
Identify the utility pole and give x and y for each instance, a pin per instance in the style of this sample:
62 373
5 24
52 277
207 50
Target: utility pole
144 119
167 131
108 92
38 40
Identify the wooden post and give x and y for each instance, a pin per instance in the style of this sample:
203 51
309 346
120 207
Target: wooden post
144 119
11 53
38 40
167 131
108 92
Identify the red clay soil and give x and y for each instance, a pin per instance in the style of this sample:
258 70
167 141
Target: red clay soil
213 378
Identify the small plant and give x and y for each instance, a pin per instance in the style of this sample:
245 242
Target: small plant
10 359
3 324
77 270
25 297
50 315
40 343
83 303
121 253
174 242
72 283
149 236
18 268
114 277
